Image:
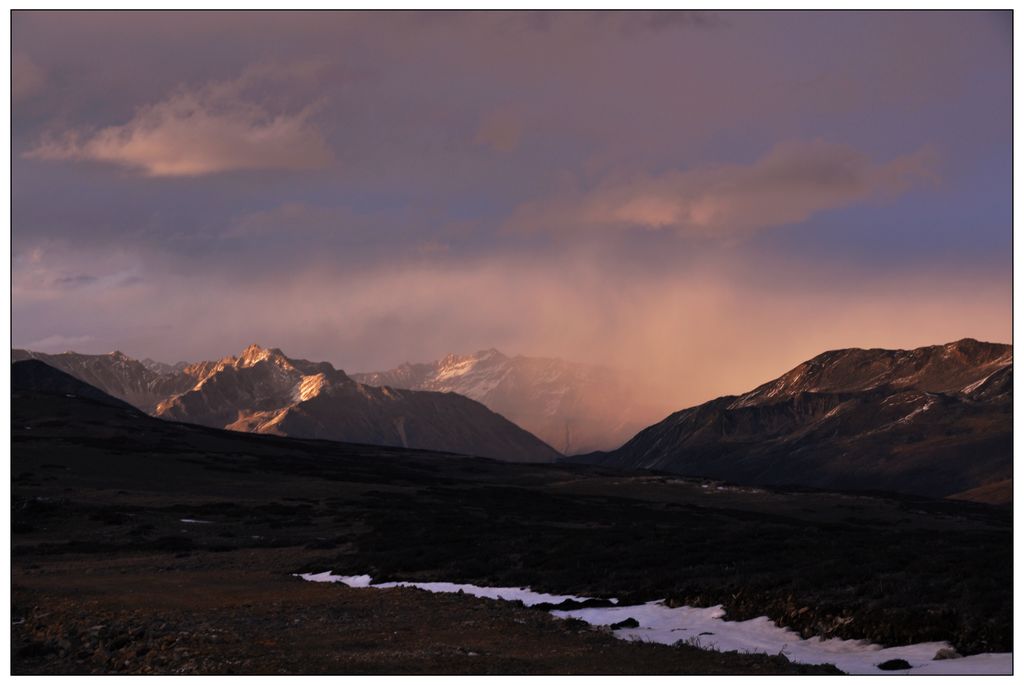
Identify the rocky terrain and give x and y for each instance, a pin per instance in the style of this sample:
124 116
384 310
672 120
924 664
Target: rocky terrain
573 407
143 385
933 421
241 613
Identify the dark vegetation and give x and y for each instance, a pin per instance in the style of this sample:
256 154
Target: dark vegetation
99 485
893 571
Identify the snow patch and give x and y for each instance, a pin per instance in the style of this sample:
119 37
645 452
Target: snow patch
509 594
705 628
977 384
833 411
329 577
927 405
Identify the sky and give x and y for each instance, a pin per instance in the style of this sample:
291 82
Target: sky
701 199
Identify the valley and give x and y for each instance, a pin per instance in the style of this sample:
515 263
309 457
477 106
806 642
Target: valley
393 341
107 499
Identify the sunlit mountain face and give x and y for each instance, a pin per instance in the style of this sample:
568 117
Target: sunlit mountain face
264 391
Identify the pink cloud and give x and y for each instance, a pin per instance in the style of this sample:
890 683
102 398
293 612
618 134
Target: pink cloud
789 184
193 132
685 335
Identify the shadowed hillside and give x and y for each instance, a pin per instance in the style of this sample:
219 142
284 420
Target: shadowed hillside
934 421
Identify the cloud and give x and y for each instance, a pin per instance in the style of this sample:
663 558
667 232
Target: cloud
74 281
40 275
420 107
788 185
222 126
58 343
28 78
688 334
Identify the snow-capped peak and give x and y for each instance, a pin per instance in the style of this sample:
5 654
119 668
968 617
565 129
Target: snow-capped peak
573 407
254 354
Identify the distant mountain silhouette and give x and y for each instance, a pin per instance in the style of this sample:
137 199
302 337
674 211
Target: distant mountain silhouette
574 407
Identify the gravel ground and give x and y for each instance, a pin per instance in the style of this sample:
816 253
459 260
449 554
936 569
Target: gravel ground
242 613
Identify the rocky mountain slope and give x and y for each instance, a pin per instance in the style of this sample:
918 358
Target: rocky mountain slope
932 421
263 391
574 407
141 384
35 377
161 367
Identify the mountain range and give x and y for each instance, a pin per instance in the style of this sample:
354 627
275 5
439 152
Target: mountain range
932 421
264 391
573 407
140 384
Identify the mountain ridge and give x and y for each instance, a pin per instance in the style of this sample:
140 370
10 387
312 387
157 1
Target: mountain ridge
263 390
575 407
35 376
935 420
